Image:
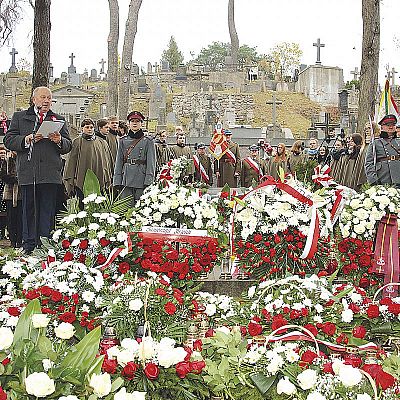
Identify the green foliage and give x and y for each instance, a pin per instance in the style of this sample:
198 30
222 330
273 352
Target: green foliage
350 84
304 171
24 329
172 54
215 54
91 183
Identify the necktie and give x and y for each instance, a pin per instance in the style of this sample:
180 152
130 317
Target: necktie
41 117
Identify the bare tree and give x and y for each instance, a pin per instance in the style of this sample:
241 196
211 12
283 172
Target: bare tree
112 73
369 61
127 52
41 43
232 32
10 12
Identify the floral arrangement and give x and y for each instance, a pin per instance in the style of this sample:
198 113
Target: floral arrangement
365 210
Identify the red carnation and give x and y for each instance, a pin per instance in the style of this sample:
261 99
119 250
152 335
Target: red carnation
258 238
359 332
6 361
109 366
128 372
170 308
308 356
65 244
32 294
46 291
123 267
205 260
104 242
343 247
56 296
160 292
101 259
198 345
68 317
364 260
197 366
182 369
84 244
224 195
329 328
151 370
254 329
373 311
13 311
327 368
68 256
394 308
3 394
277 322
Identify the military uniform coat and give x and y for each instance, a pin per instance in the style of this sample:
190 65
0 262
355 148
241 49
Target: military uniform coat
248 173
381 172
163 154
359 178
228 168
184 151
294 160
45 165
112 141
273 167
134 174
205 161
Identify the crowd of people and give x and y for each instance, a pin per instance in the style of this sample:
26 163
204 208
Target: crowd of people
39 172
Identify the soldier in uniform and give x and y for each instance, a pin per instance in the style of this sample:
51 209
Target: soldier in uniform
253 167
104 132
202 166
382 162
163 151
227 168
136 159
181 150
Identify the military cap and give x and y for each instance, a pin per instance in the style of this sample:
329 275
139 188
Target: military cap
201 146
253 147
135 115
227 132
388 119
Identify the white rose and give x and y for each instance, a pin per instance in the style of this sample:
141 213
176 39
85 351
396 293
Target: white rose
130 344
47 364
316 396
39 384
285 386
6 338
135 304
349 376
101 384
124 395
307 379
211 309
40 320
125 356
364 396
88 296
70 397
347 315
65 330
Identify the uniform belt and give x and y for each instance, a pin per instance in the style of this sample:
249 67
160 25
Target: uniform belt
135 161
389 158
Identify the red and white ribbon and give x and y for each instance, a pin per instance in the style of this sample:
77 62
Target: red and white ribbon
253 164
200 168
321 175
116 252
296 335
230 155
165 174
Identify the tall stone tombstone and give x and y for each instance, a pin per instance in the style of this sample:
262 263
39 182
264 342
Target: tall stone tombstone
72 68
143 87
149 68
343 101
93 75
164 66
181 74
135 69
156 103
13 69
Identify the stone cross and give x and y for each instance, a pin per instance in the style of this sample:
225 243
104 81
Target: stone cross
394 72
51 70
102 62
318 45
72 59
13 67
355 73
274 103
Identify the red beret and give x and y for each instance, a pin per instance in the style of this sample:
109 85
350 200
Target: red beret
135 115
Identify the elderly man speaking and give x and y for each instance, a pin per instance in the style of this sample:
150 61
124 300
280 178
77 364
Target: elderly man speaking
39 165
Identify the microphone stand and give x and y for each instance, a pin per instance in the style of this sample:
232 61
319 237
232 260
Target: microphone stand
30 154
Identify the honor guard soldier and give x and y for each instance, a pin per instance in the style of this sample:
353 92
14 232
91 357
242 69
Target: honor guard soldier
163 150
227 168
253 168
382 162
136 159
202 166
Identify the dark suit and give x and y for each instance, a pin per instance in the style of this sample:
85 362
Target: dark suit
39 177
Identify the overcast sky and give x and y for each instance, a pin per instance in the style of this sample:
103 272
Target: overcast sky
81 26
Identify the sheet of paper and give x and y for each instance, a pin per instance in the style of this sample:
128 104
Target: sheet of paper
48 127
